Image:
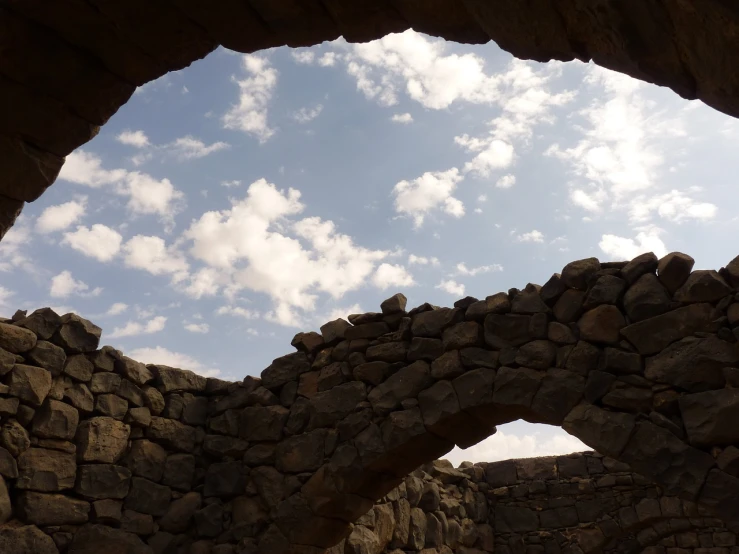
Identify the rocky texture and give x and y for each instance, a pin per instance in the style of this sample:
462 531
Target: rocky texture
66 69
642 366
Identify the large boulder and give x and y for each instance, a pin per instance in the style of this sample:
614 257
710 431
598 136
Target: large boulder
285 369
171 379
29 539
172 434
77 335
102 439
56 420
49 356
98 481
45 470
44 322
405 383
30 384
710 417
95 539
52 509
16 339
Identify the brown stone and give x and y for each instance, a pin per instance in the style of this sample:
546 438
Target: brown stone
569 306
447 366
79 367
462 335
333 331
604 431
148 497
422 348
180 513
646 298
56 420
171 434
77 335
52 509
284 369
99 481
396 303
602 325
43 322
94 539
146 459
111 405
432 323
674 269
709 417
102 439
46 470
16 339
387 352
693 364
80 397
30 384
301 453
27 539
576 274
701 286
641 265
537 354
49 356
405 383
329 407
263 423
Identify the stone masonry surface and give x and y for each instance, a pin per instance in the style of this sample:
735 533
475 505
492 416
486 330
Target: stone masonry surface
67 66
640 360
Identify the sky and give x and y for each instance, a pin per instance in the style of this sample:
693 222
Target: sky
246 198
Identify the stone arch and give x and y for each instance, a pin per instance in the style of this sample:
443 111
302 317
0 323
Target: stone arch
638 366
638 359
66 69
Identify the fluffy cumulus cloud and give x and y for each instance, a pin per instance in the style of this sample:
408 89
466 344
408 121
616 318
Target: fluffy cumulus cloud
257 245
64 285
238 311
430 192
491 156
392 275
133 328
249 114
531 236
99 241
624 248
137 139
146 194
541 440
620 160
61 216
423 260
151 253
506 181
117 308
451 286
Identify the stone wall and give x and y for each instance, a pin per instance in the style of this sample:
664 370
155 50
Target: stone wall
575 504
67 67
639 360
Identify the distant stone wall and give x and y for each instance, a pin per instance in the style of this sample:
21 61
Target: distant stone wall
574 504
640 360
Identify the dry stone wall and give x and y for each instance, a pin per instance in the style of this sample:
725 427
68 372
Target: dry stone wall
640 360
575 504
67 67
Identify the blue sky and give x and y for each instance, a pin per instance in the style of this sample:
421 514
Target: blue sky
246 198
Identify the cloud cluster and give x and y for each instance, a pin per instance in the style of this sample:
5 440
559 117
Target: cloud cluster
255 92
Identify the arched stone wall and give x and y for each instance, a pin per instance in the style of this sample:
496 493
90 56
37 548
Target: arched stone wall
66 67
639 360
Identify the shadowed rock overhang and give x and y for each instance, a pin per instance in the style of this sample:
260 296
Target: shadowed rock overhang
67 66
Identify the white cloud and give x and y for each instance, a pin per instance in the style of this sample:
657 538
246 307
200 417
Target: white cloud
204 282
402 118
229 184
531 236
137 139
590 201
249 244
306 115
133 328
624 249
451 286
152 254
64 285
507 446
339 313
99 241
189 148
15 245
305 57
328 59
506 181
85 168
238 312
422 260
497 154
148 195
673 206
462 269
392 275
197 327
430 191
161 356
61 216
117 308
255 92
